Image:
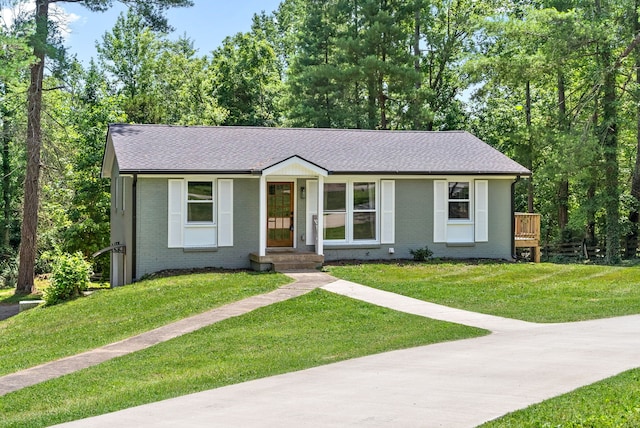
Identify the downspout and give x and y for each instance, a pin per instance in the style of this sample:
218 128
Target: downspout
134 218
513 218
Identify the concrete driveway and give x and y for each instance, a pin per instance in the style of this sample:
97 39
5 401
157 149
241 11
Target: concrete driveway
7 311
454 384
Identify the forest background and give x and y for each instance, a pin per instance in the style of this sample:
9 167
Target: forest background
553 84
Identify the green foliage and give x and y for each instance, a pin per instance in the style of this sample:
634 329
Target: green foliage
365 64
9 273
421 254
70 277
246 80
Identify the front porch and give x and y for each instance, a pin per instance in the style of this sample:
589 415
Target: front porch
290 201
281 260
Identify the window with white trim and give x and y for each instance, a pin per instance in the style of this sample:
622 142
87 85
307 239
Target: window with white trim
461 210
200 202
459 200
335 211
350 211
200 212
364 211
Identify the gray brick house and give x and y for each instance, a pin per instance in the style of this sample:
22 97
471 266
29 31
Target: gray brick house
239 197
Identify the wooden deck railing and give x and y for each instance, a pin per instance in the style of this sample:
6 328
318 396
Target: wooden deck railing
527 232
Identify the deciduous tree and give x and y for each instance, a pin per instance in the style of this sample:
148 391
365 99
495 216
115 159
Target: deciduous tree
152 10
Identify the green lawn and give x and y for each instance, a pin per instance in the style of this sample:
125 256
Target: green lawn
110 315
311 330
611 403
314 329
540 292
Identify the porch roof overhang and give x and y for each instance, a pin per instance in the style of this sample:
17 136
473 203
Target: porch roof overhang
295 165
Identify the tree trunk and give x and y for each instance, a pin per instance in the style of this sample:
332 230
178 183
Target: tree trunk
6 181
634 214
563 186
610 151
28 235
529 145
563 205
590 228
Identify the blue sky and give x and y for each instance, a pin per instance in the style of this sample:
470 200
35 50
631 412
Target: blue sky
207 23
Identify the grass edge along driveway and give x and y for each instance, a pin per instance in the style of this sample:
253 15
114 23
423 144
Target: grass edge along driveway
541 292
315 329
538 293
611 403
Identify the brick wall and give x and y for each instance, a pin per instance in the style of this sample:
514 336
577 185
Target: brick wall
152 251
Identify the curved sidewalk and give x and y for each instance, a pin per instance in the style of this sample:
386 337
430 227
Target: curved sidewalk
454 384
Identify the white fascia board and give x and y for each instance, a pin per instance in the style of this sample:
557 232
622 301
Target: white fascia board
295 161
195 177
108 159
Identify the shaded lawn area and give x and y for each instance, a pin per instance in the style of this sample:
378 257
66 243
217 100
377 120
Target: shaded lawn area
47 333
541 292
611 403
315 329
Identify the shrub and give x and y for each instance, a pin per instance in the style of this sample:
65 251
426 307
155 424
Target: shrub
69 278
421 254
9 274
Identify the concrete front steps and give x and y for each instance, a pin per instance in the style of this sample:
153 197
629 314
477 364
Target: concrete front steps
283 261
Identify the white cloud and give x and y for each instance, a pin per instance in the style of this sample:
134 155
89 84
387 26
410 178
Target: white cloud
56 14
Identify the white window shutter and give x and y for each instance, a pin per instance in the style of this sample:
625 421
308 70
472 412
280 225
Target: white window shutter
312 209
225 212
482 211
440 211
387 211
175 209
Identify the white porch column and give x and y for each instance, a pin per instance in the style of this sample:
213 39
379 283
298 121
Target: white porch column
262 251
320 232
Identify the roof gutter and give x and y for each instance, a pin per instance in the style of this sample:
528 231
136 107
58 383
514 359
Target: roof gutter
256 172
188 172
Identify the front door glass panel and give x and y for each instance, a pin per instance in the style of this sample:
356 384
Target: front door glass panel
280 214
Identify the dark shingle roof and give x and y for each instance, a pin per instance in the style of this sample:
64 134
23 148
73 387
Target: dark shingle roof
197 149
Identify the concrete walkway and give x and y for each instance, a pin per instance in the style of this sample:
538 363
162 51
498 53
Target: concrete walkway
304 283
454 384
425 309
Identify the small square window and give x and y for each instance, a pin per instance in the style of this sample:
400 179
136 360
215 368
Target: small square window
335 197
200 191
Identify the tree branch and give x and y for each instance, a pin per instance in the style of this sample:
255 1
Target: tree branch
635 42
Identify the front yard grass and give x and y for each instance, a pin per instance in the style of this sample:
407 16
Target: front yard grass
611 403
315 329
44 334
541 292
311 330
